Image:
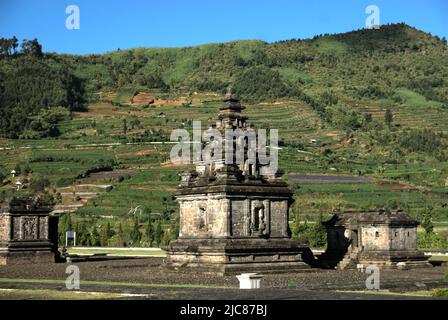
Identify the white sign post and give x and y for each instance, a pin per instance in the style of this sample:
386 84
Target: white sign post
70 235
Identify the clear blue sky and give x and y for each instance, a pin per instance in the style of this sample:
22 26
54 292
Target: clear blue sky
108 25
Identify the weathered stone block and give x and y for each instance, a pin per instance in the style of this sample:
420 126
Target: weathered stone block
25 235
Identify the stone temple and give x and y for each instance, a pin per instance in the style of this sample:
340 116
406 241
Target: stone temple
234 218
28 234
384 238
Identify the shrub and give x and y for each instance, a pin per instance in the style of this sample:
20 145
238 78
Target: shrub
38 184
432 241
442 292
421 140
261 82
314 235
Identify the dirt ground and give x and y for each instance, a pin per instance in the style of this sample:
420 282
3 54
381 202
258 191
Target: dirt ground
147 275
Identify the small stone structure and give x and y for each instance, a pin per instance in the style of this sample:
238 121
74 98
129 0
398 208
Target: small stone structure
234 218
28 234
383 238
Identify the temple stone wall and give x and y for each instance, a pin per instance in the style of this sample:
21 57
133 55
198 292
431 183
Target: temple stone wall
375 238
202 217
240 218
279 218
403 238
4 228
389 238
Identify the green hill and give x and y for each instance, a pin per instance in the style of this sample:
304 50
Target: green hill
394 66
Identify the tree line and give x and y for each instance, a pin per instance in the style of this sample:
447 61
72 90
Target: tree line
133 233
10 47
30 85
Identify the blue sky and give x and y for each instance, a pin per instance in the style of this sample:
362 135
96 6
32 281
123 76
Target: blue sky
108 25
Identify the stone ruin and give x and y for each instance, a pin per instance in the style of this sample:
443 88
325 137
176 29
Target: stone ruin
28 234
234 218
387 239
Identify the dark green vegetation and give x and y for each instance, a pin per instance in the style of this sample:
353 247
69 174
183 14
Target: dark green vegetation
30 83
372 103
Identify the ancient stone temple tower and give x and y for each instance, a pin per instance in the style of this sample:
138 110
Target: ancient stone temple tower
234 218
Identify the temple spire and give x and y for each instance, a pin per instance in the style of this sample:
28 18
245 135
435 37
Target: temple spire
230 115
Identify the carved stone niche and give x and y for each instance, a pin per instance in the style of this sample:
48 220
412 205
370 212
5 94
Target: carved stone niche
258 219
28 234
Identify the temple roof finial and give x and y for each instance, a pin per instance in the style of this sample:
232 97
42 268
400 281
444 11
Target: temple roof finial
231 95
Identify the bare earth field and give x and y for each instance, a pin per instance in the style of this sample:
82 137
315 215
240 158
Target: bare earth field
146 278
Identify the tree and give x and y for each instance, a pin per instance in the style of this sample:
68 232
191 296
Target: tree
314 235
368 118
106 234
29 85
94 237
18 169
135 123
14 43
318 236
136 235
38 184
26 169
149 232
32 48
388 117
82 235
45 124
166 213
261 82
65 224
166 239
174 229
297 228
120 235
3 174
158 233
3 47
444 41
125 126
426 222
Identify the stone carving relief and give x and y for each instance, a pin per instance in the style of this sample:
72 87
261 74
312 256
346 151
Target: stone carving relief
202 219
29 228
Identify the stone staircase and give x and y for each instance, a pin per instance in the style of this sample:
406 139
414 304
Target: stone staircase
350 259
